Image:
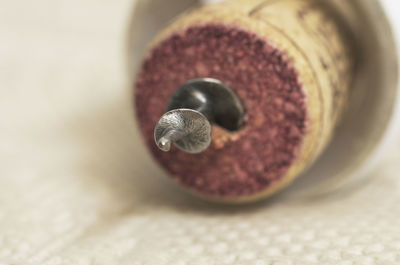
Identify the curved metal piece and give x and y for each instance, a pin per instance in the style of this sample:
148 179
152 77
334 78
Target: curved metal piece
192 109
213 99
188 129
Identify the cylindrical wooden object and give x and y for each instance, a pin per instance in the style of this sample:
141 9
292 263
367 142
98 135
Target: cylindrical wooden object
290 63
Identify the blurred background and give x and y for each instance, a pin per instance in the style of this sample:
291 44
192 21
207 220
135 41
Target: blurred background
74 174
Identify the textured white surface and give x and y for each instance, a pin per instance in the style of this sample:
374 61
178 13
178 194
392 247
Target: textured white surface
76 186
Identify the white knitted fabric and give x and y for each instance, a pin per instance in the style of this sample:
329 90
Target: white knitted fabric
77 186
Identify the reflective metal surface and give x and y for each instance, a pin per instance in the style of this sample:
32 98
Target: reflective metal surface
188 129
191 109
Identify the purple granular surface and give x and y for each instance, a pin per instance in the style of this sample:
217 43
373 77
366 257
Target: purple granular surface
237 164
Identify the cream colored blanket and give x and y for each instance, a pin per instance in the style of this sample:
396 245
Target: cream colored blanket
77 186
